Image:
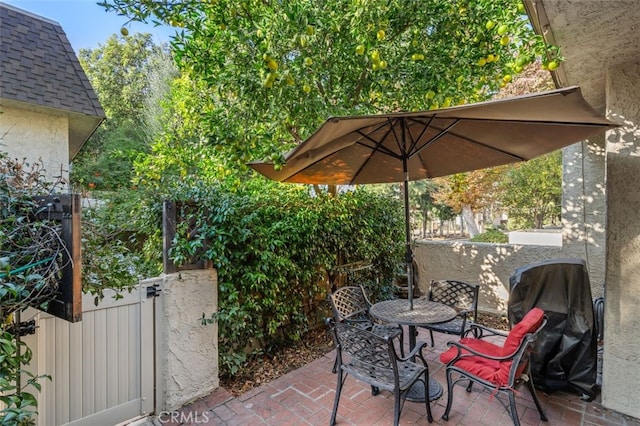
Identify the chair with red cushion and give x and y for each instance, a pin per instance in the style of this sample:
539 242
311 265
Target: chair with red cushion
499 368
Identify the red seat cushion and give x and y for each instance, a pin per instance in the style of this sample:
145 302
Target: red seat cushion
496 372
478 366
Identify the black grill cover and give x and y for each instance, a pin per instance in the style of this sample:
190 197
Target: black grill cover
565 353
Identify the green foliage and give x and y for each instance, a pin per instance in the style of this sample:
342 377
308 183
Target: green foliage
272 72
110 167
119 245
532 191
19 405
31 247
277 249
30 260
491 236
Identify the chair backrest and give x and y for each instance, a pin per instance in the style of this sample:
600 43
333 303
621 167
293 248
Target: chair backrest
519 340
457 294
350 303
598 313
363 346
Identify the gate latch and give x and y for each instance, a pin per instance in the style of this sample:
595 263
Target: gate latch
153 291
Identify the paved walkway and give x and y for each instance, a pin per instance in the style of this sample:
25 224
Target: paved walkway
305 397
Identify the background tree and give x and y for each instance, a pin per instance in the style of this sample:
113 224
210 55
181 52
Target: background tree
532 191
467 193
125 72
118 71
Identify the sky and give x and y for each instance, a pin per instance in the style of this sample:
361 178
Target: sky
86 24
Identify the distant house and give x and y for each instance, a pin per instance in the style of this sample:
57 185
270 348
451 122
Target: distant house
48 108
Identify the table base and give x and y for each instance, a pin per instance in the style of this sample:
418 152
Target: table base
417 394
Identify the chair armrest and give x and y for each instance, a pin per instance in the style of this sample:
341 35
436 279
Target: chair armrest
417 350
356 321
472 352
479 331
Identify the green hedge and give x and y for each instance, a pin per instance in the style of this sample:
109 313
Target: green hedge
277 249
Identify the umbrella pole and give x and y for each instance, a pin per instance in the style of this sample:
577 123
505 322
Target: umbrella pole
408 253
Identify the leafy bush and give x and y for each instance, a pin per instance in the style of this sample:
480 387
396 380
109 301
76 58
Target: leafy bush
121 242
491 236
31 257
277 249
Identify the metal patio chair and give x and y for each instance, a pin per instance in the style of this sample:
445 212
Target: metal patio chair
350 304
460 295
373 359
501 369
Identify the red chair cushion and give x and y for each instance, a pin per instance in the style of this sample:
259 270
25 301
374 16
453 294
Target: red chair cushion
476 365
528 324
496 372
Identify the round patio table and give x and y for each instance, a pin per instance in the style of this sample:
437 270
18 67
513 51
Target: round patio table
424 312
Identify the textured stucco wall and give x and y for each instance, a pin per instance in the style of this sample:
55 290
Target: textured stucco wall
188 350
621 359
584 207
489 265
32 135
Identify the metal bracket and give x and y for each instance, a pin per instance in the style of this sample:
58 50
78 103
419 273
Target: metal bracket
24 328
153 290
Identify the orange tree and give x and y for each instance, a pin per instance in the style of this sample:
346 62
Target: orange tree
273 71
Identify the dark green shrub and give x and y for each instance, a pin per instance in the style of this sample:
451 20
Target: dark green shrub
277 248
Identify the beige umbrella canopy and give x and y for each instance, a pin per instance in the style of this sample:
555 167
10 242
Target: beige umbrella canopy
405 146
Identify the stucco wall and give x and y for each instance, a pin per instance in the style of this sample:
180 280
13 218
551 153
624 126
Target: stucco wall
33 135
187 349
621 357
489 265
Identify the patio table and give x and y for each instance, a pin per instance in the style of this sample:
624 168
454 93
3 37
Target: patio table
424 312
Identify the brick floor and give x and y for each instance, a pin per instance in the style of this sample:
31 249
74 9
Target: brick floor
305 397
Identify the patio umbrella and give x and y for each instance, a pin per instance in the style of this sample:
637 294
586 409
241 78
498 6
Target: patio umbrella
406 146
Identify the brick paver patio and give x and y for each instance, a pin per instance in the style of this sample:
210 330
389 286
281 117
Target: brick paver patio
305 397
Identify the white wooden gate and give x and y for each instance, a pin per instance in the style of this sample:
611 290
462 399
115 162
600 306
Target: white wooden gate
102 368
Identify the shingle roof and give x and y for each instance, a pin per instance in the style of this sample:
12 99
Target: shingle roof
38 66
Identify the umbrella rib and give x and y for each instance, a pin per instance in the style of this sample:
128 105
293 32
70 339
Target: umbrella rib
436 137
377 144
472 141
425 127
378 147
